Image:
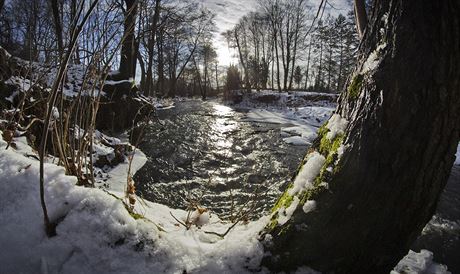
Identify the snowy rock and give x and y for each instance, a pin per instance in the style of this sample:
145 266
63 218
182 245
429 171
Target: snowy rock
419 263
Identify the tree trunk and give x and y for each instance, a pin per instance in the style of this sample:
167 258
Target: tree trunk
360 16
308 66
160 65
148 87
378 182
243 62
57 27
128 48
217 77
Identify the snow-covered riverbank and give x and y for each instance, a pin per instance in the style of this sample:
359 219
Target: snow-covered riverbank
96 234
298 112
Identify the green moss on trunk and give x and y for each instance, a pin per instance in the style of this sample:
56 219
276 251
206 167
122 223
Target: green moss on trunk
355 87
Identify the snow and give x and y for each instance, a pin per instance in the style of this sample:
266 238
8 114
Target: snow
457 156
304 180
96 233
373 60
22 83
297 141
421 262
309 206
55 113
300 119
299 131
112 83
336 126
284 214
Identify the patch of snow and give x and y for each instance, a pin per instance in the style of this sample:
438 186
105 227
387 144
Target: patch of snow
442 225
308 173
419 263
284 214
55 113
309 206
22 83
336 125
340 151
112 83
117 176
373 60
457 156
297 141
96 234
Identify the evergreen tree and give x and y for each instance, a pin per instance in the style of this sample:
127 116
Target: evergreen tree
298 76
233 81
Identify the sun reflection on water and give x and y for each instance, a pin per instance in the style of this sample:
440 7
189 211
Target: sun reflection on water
222 129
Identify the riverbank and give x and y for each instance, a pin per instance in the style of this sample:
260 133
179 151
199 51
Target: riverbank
97 234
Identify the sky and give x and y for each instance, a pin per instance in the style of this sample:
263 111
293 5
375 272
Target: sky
228 12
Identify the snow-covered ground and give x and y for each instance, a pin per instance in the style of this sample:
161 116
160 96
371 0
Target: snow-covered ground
299 116
96 234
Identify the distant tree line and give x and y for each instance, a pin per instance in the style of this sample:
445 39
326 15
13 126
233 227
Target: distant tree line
287 45
165 44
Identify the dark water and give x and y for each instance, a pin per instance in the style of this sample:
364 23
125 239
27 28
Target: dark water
205 153
442 234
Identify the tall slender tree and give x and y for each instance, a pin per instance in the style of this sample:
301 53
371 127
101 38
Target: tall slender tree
128 49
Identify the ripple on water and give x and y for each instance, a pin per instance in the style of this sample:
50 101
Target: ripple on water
205 150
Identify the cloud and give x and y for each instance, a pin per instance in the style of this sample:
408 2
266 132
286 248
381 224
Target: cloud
228 12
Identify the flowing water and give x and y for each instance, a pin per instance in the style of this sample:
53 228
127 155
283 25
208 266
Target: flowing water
204 152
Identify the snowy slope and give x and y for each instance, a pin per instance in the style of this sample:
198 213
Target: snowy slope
98 235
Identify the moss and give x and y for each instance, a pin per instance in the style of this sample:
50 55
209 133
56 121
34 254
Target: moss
136 216
273 221
322 131
284 201
308 194
355 87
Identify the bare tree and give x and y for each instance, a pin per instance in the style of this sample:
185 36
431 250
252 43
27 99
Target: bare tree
57 25
128 50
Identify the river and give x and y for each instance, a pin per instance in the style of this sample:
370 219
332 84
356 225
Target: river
208 153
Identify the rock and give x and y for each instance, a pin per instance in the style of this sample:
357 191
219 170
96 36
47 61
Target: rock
122 107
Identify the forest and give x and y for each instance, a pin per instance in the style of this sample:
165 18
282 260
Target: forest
205 136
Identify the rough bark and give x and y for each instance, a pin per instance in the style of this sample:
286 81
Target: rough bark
360 16
403 130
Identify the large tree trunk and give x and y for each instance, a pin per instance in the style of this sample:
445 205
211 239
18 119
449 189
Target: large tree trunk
128 48
378 182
